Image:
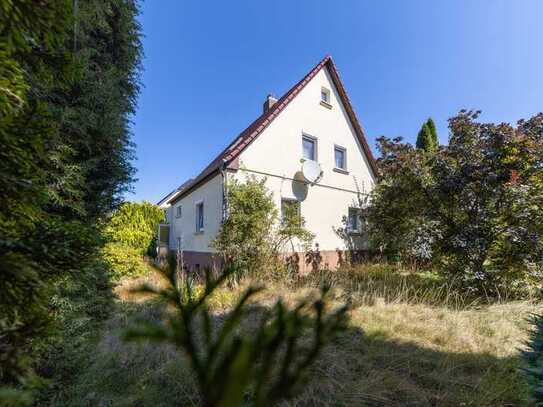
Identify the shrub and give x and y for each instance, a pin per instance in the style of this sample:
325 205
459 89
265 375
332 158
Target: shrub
124 261
252 236
135 225
131 232
473 208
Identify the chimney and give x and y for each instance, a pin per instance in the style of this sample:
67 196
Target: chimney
270 101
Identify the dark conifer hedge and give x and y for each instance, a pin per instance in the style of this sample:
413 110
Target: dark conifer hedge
68 86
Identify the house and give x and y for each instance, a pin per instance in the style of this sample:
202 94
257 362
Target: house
312 127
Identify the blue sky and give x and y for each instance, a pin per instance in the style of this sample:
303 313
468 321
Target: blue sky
209 65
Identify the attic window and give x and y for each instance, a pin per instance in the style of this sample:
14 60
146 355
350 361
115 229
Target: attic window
179 212
325 97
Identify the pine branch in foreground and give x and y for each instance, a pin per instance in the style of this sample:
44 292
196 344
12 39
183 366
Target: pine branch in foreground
231 366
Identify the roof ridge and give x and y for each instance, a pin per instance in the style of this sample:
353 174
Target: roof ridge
251 132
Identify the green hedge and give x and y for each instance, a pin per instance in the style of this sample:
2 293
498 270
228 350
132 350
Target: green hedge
135 225
124 261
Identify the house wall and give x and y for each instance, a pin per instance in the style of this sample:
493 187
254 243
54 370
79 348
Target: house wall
184 227
277 152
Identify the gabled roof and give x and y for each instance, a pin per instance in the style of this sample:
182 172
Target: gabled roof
227 157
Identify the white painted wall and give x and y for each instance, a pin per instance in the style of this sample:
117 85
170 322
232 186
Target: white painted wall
185 226
278 150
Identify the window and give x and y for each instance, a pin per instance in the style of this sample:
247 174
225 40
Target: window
309 147
325 95
200 217
163 234
291 212
354 224
178 212
340 158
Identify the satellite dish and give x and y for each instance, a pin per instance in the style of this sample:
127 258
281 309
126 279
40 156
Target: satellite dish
299 186
311 170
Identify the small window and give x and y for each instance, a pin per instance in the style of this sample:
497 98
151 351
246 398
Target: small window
340 156
179 212
200 217
354 224
163 234
291 212
309 147
325 95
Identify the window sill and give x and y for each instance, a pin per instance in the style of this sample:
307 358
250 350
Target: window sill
199 232
326 104
341 171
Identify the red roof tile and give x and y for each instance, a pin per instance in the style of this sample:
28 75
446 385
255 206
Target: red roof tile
230 153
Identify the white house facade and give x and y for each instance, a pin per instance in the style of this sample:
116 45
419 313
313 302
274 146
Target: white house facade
314 121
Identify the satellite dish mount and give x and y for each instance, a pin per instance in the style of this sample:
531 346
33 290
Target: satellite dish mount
311 171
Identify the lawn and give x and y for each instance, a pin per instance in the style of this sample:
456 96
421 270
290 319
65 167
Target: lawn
411 341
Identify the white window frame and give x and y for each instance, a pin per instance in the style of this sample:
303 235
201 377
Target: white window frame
350 228
199 228
344 150
326 92
315 142
179 211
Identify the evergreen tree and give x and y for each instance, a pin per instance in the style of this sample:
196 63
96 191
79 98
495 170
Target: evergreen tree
424 139
30 31
432 127
100 99
68 85
427 139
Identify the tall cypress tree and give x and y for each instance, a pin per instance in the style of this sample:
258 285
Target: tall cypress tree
432 127
424 139
94 105
101 99
427 139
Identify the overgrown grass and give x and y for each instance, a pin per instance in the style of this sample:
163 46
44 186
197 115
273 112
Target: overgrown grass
412 341
372 283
